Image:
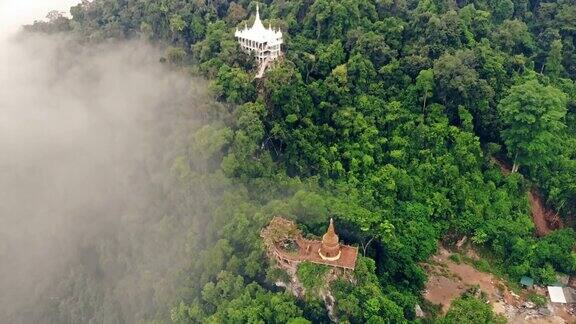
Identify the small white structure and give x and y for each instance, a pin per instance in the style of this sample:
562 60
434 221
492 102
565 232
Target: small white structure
556 294
264 42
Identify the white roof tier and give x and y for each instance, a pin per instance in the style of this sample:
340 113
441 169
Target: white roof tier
259 33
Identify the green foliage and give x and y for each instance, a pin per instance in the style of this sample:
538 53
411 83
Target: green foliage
175 55
233 85
211 139
482 265
456 257
57 23
532 114
468 309
365 301
513 37
313 278
554 65
177 24
235 302
539 300
425 85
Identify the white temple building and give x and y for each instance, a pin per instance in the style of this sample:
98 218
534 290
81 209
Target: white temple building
264 42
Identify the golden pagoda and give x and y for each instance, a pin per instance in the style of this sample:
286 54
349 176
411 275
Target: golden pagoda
330 248
328 251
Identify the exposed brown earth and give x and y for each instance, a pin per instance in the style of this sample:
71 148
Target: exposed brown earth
504 167
447 280
545 219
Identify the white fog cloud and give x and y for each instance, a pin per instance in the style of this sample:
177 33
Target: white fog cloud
87 140
80 132
15 13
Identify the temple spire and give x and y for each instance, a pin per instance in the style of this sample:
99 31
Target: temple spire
331 228
330 248
257 21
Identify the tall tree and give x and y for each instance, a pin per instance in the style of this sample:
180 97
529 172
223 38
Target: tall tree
425 85
554 61
533 115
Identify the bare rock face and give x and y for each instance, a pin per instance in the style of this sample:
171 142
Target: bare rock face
330 303
294 285
544 311
419 312
297 289
461 242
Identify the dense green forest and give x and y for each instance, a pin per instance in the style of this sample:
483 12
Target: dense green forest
385 115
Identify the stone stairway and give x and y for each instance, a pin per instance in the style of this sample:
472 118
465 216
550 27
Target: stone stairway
262 68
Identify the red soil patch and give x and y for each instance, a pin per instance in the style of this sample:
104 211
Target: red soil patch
441 291
504 167
447 280
545 219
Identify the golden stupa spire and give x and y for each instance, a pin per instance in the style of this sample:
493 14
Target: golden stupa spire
331 227
330 248
330 237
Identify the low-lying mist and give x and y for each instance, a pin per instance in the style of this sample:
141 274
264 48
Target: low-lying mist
87 138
